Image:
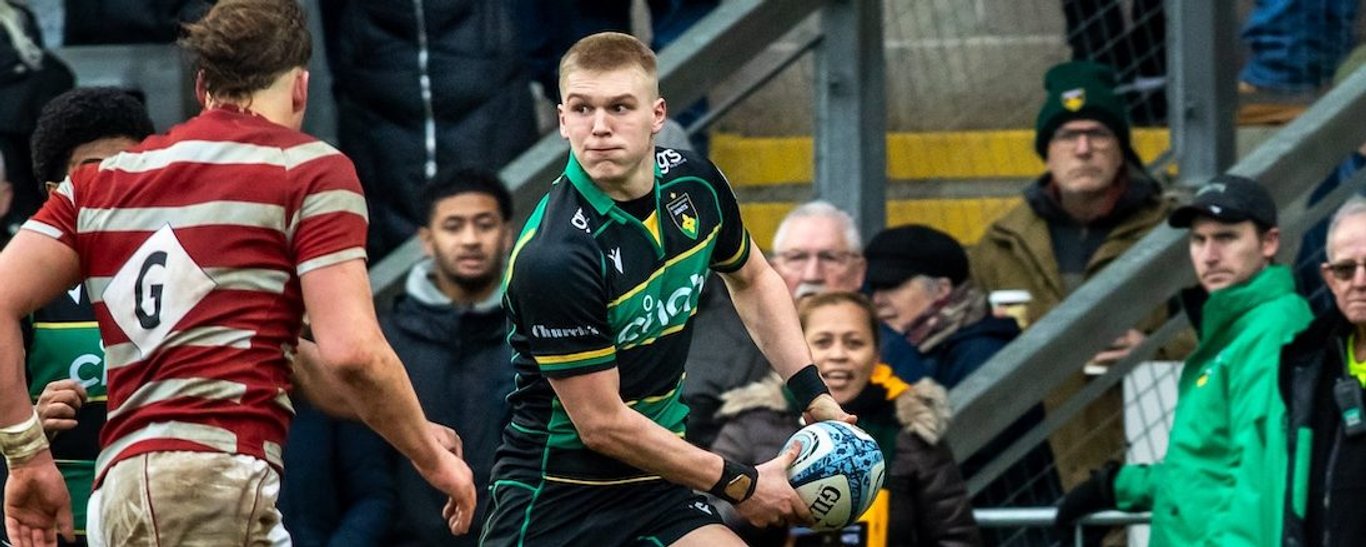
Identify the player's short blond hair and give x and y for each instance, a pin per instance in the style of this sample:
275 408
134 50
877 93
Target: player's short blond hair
606 51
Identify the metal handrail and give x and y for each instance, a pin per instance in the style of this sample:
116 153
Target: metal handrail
1038 517
1043 517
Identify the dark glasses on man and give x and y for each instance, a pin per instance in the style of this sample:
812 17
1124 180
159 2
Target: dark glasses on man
1344 270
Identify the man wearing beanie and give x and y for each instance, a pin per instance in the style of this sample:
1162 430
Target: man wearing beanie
921 289
1093 203
1223 478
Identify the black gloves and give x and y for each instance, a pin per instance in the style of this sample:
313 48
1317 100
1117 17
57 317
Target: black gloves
1095 495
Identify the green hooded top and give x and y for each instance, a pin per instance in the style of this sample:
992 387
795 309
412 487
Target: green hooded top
1223 479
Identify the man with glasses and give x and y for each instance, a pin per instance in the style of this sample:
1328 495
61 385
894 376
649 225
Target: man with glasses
1222 481
1322 375
1094 202
815 249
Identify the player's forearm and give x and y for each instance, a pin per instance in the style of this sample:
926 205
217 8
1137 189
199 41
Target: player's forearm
632 438
15 405
35 268
318 384
766 308
379 392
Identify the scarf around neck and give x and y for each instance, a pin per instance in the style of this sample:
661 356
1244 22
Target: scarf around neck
964 305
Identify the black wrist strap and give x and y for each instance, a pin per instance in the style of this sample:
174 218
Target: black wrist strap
806 385
737 482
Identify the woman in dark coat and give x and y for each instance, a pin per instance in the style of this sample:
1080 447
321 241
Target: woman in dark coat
924 501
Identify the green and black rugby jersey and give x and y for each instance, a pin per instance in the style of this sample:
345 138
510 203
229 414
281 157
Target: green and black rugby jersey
590 287
62 341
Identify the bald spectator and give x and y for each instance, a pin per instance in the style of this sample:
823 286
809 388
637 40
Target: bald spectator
1321 380
1093 203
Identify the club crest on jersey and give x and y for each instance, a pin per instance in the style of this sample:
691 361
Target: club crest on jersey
1074 99
684 215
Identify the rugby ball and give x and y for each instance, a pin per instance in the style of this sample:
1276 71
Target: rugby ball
837 473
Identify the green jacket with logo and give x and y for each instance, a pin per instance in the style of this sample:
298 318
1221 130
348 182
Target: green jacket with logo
1222 481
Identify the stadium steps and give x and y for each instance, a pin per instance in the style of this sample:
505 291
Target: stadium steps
930 178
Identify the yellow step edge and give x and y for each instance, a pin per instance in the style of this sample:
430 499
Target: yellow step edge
964 219
947 155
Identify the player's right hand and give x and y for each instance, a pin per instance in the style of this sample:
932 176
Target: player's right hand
774 502
447 438
453 477
37 505
824 407
57 405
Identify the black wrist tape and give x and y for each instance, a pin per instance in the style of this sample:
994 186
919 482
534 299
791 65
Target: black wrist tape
737 482
806 385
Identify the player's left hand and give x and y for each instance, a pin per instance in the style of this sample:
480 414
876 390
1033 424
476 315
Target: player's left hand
37 505
824 407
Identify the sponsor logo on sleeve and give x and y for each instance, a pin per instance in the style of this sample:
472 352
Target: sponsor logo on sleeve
542 331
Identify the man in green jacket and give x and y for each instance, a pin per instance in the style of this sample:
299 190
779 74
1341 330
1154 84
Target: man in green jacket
1222 481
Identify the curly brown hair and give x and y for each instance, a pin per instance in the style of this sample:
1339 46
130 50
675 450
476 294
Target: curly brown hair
241 46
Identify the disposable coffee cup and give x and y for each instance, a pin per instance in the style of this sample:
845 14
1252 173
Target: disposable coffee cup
1012 303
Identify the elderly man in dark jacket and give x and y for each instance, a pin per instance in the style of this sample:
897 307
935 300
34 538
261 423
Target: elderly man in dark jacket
1322 376
921 287
450 332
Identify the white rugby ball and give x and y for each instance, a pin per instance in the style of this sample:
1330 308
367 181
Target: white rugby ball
837 473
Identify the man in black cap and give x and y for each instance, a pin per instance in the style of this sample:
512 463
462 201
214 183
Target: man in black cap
922 290
1094 202
1223 480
